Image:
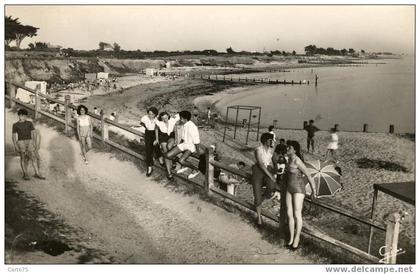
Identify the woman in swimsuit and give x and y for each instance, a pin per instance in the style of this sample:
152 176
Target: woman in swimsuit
296 192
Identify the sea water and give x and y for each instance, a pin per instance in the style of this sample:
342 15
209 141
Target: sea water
376 94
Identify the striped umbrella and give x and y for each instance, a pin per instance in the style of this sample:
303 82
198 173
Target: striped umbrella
326 177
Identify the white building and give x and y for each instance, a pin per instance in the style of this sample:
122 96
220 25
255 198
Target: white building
28 97
151 71
102 75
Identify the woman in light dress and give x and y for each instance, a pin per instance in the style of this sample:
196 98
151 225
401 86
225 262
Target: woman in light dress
84 130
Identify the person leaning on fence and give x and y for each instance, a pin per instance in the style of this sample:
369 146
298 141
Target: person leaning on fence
26 144
296 190
84 131
189 142
261 172
280 164
148 121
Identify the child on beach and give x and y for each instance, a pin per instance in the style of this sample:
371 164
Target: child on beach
332 147
84 131
26 143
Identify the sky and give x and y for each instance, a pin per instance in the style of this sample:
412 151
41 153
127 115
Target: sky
250 28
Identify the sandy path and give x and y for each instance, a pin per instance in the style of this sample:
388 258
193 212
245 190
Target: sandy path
132 218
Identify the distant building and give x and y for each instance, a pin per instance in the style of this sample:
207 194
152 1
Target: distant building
103 75
151 71
26 96
90 77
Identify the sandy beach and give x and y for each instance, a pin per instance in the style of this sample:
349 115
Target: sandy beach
359 153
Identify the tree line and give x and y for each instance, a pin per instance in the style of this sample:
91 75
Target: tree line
312 50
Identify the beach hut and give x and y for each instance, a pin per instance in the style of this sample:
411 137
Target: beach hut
103 75
26 96
90 77
151 72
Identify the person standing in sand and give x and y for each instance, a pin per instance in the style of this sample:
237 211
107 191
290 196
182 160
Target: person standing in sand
189 143
332 147
84 130
148 121
26 144
261 172
296 191
311 129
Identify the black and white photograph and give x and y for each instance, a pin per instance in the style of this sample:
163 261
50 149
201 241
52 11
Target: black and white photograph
225 134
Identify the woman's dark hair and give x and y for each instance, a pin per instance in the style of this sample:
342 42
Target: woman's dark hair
333 129
153 110
162 114
80 107
265 137
22 112
240 163
185 115
296 147
270 128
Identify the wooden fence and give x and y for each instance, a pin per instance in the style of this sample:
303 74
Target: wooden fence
224 78
393 224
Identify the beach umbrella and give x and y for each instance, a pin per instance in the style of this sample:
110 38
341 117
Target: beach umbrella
326 177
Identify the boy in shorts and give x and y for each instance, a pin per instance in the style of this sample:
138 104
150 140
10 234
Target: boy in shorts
26 144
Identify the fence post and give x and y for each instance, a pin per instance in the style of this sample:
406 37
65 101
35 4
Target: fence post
37 103
104 127
391 129
67 114
209 183
12 95
391 238
365 127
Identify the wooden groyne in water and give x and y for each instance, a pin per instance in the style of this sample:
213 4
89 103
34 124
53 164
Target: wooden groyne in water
232 79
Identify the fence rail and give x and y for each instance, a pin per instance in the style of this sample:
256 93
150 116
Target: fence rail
209 181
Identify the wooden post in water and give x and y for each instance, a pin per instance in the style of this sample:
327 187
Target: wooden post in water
391 239
67 115
12 94
300 82
284 82
365 127
391 129
293 82
336 127
104 127
37 115
209 182
305 124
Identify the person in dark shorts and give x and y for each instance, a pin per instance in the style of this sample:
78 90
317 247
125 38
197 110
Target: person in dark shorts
24 137
311 129
262 172
280 166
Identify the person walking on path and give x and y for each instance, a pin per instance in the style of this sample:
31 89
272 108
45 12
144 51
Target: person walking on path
84 131
261 172
208 115
26 143
189 143
311 129
148 121
296 192
332 147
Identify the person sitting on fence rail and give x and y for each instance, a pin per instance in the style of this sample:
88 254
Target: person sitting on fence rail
165 135
26 144
190 141
261 174
296 191
84 130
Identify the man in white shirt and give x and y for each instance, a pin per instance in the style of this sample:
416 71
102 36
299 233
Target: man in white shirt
189 142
